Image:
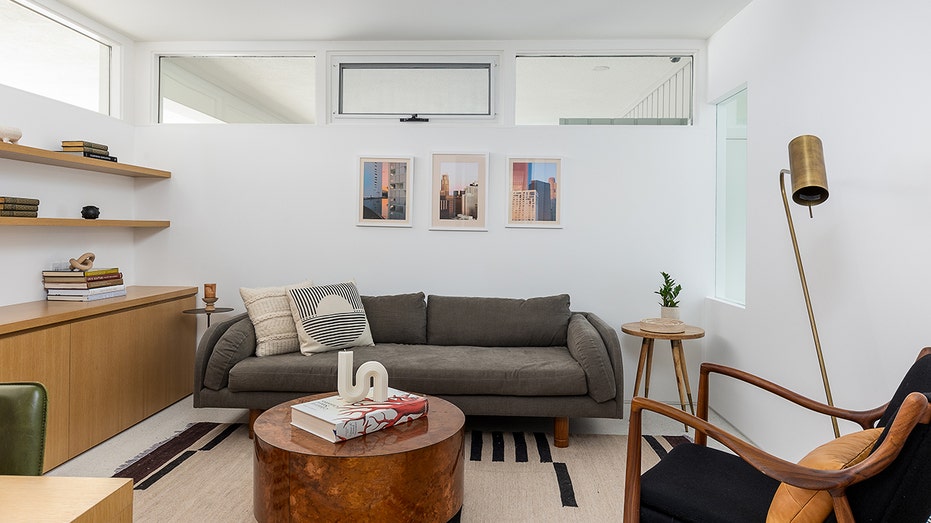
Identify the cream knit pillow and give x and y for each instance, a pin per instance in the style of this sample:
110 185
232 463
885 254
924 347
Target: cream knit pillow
270 312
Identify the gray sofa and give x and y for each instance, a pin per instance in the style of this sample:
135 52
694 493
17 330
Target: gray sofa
488 356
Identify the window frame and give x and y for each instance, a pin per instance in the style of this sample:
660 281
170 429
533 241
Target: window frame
113 83
689 121
427 60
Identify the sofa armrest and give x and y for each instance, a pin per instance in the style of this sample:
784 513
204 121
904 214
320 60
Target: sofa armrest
613 348
205 348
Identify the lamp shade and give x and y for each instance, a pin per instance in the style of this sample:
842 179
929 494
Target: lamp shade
806 165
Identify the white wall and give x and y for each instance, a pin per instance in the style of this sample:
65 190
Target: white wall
850 73
257 205
26 251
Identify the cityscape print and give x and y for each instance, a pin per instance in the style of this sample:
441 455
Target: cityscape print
534 194
384 188
459 191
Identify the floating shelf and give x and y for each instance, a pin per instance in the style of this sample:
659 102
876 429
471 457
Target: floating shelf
25 153
80 222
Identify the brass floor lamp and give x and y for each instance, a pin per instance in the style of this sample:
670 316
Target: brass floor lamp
809 188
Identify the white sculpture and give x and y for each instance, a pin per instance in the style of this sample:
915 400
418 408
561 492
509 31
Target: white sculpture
370 370
10 134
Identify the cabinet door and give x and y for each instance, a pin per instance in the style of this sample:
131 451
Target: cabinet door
167 340
107 377
43 355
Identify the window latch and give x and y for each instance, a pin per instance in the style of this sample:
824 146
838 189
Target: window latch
415 118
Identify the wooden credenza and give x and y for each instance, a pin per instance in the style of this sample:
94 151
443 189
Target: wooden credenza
106 365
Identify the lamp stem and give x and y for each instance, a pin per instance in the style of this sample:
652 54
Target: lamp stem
811 313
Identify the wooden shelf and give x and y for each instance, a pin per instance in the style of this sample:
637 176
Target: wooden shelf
80 222
25 153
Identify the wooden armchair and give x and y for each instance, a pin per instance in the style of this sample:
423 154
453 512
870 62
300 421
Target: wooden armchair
697 483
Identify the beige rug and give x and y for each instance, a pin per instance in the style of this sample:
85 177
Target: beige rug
205 475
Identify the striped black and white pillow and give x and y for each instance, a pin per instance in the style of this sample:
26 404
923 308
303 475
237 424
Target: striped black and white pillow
329 317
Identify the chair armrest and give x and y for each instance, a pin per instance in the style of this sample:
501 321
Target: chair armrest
865 418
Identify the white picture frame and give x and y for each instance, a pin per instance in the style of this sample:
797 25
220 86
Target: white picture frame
534 192
384 198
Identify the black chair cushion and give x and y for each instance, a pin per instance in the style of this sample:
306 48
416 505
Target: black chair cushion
902 492
694 483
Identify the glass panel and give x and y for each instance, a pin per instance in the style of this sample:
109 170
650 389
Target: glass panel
731 237
604 90
409 88
45 57
236 89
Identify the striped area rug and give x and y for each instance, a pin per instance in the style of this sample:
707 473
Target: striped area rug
205 474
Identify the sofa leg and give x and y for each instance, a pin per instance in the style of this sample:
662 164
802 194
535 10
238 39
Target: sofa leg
253 414
561 432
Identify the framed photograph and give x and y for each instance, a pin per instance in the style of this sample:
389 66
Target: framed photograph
533 195
460 190
385 191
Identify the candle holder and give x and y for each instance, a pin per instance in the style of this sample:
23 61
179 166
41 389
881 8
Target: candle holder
210 307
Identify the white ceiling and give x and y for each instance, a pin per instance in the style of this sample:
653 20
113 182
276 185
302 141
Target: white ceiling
257 20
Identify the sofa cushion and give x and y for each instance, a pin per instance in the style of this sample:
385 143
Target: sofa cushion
498 322
270 313
400 318
237 343
427 369
329 317
587 347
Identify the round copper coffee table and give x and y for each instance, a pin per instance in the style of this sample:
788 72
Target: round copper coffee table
409 472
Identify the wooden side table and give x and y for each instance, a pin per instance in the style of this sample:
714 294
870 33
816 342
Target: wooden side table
678 357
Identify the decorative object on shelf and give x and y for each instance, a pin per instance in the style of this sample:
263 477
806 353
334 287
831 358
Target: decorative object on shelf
210 296
370 371
83 262
662 325
669 292
90 212
10 134
809 188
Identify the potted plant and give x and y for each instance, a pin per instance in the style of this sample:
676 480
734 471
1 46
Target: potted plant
669 292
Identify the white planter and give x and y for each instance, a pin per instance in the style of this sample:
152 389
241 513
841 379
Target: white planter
669 312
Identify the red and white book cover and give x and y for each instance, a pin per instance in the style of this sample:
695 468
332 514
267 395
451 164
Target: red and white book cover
336 420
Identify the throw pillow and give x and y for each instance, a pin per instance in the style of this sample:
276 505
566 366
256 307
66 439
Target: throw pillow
329 317
800 505
270 312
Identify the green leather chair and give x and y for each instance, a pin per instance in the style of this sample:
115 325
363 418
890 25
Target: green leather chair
23 409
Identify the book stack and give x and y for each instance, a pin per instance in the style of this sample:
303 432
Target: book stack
87 149
19 206
95 284
336 420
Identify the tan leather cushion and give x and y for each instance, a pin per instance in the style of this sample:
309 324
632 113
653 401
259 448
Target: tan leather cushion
798 505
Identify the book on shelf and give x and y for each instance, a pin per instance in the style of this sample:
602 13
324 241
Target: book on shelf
83 285
96 156
84 143
18 207
83 274
87 292
79 278
82 149
19 199
336 420
21 214
88 297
